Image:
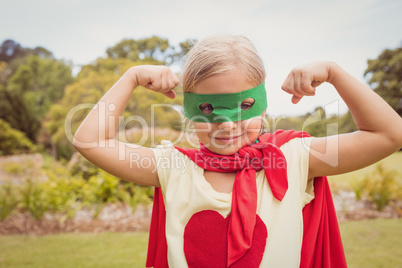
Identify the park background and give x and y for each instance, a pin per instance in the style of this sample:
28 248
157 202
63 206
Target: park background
57 209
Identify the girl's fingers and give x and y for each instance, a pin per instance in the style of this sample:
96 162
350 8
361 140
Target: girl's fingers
168 82
155 84
298 84
170 94
296 99
306 86
287 85
292 86
298 91
156 78
171 85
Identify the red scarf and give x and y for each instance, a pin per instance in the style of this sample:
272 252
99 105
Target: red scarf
322 246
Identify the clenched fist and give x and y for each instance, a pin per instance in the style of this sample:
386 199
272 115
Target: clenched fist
156 78
303 80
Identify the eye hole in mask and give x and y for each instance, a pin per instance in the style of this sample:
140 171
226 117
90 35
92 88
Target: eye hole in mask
206 108
247 104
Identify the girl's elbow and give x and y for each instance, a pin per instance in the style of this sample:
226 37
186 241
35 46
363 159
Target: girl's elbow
76 143
395 140
80 144
398 135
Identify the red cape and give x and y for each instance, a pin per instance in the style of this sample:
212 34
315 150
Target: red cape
321 246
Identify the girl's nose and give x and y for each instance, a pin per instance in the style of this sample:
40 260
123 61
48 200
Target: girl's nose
227 125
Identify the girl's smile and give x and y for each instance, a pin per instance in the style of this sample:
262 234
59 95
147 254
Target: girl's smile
229 139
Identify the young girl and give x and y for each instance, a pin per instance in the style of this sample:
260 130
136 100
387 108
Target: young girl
238 201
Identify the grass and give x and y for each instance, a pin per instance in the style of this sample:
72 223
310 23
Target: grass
373 243
74 250
368 243
392 162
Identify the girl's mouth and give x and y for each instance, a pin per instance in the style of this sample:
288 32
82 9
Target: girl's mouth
229 139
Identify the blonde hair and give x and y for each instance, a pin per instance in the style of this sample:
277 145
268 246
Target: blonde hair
222 53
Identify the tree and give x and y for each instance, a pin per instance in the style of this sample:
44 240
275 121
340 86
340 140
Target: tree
9 50
14 111
91 84
154 49
13 141
385 76
12 55
95 79
28 94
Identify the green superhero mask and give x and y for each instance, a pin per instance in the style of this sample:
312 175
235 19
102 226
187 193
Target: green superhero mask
215 108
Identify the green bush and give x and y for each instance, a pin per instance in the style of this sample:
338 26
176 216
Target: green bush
13 141
359 188
80 166
380 187
383 187
65 194
9 200
34 199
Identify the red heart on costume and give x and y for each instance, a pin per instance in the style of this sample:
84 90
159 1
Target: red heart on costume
206 242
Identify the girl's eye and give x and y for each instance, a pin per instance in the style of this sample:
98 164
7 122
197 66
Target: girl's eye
206 108
247 104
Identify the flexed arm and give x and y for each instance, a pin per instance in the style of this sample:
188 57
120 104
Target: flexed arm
380 127
95 138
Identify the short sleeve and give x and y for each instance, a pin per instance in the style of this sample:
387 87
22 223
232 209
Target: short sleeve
171 165
164 159
297 153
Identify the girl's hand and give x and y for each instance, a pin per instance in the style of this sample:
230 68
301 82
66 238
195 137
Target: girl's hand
156 78
303 80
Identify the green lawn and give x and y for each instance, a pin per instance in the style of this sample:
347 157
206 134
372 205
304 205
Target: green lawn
368 243
74 250
373 243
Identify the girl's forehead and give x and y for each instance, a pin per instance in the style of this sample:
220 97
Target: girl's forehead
224 83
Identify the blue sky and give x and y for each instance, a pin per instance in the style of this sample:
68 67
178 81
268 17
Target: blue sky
286 33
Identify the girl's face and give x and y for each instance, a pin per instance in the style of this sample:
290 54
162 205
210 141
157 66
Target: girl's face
227 138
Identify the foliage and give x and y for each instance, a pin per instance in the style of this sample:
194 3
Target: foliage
359 188
9 200
34 199
10 50
35 85
317 124
383 187
30 81
12 55
13 111
13 141
13 168
80 166
385 75
41 82
380 187
91 84
153 49
66 194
